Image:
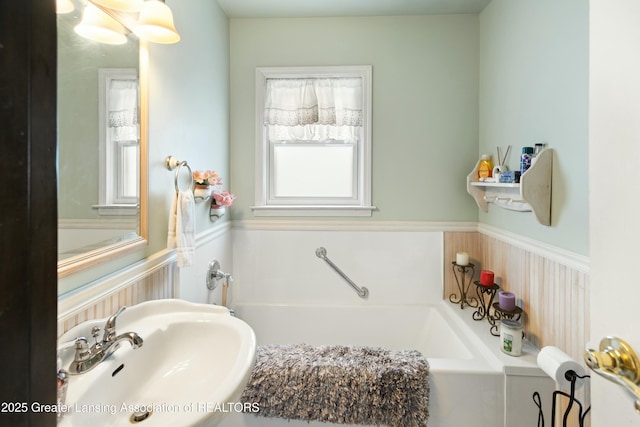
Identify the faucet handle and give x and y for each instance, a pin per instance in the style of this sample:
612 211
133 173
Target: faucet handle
214 274
110 326
95 331
82 350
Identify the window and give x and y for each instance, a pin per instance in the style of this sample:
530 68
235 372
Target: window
313 141
119 137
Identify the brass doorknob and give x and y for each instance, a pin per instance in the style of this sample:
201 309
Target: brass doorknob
616 361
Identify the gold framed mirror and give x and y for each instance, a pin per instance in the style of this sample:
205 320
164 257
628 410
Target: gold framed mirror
90 230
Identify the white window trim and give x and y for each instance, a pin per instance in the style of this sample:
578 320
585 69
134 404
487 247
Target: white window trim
108 160
262 206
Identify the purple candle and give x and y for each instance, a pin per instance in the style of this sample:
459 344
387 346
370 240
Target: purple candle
507 300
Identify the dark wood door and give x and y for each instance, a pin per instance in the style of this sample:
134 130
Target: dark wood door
28 214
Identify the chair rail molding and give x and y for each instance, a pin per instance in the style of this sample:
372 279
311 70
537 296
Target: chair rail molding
562 256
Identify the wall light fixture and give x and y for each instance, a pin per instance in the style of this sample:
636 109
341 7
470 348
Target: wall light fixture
109 21
98 26
155 23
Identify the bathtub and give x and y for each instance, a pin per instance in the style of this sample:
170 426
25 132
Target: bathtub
467 379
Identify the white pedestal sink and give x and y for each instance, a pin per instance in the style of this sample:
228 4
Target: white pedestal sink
191 369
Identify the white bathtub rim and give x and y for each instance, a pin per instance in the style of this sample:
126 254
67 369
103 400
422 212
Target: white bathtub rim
483 361
524 365
488 357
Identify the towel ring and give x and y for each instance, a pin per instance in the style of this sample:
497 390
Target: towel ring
172 163
184 163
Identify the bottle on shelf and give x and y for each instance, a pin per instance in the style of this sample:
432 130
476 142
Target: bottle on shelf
536 150
485 168
525 159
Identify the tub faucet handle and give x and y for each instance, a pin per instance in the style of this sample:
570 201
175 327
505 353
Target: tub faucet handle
214 274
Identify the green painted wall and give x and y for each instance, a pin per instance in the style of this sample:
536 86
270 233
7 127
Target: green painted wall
425 103
534 88
78 62
189 108
445 90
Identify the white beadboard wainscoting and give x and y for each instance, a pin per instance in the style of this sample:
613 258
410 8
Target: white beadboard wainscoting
551 284
147 280
274 261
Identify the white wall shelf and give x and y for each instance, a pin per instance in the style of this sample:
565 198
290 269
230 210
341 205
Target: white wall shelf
532 194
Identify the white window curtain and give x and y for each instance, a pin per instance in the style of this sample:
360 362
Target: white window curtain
314 109
123 110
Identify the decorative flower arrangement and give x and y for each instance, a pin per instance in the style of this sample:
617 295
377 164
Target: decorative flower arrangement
211 178
207 178
223 198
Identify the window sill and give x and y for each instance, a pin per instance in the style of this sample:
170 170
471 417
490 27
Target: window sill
301 210
117 209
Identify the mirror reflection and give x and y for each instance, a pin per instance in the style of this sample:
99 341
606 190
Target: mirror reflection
98 144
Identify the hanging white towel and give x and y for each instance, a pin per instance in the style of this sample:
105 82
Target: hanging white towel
182 227
171 237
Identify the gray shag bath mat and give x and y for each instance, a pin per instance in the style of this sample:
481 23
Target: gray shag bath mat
340 384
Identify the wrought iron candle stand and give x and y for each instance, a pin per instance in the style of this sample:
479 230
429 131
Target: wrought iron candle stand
460 273
484 306
498 314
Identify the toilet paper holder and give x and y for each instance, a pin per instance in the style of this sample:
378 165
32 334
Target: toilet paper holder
568 375
616 361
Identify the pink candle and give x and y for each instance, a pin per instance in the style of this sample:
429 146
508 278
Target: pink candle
507 300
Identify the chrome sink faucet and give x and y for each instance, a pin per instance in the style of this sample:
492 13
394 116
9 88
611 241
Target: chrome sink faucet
87 358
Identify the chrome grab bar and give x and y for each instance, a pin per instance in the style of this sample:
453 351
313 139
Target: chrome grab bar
322 254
